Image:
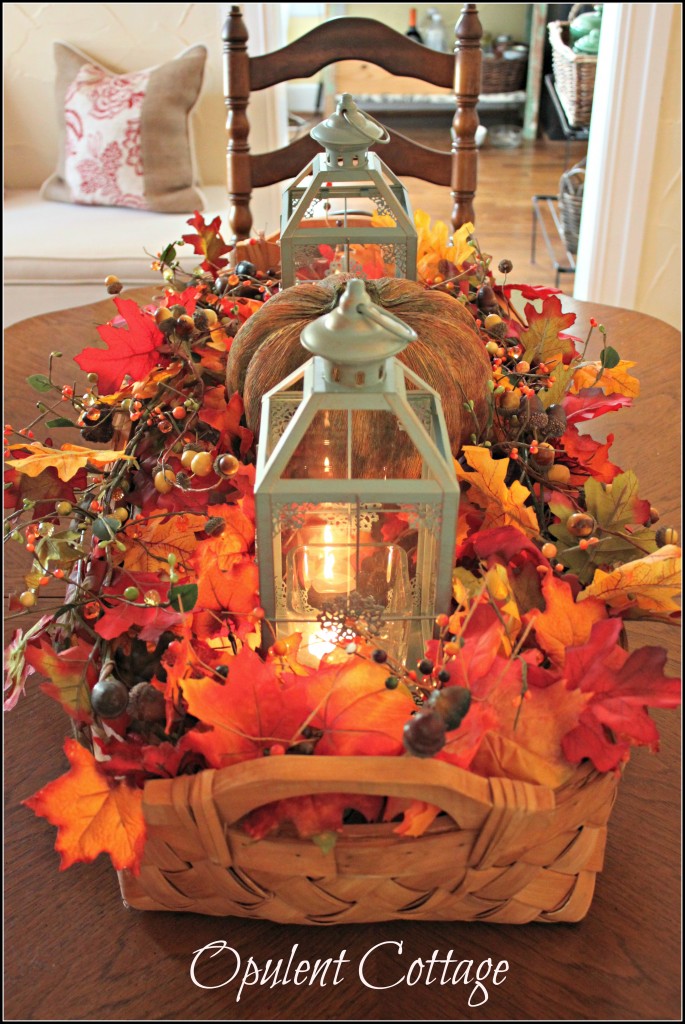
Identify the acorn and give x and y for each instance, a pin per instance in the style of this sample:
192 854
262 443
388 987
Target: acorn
146 704
666 535
580 524
167 326
109 697
556 421
226 465
113 284
98 424
509 403
452 703
424 734
487 300
533 411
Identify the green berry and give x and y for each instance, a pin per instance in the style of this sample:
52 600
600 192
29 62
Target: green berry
131 593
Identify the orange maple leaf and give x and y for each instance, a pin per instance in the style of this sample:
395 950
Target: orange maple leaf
149 543
92 814
227 578
616 381
67 460
504 506
356 711
542 338
564 622
247 714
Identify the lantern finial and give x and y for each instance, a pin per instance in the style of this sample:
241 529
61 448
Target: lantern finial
347 134
356 337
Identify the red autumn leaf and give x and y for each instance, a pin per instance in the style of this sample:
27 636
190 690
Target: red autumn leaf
462 744
356 711
620 687
138 760
531 291
134 351
591 457
249 713
482 639
207 242
150 620
225 417
72 674
187 298
590 403
92 814
311 815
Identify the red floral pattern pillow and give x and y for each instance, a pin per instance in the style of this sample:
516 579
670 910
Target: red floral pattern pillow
119 129
103 164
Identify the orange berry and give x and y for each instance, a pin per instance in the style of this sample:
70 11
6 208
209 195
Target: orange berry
179 412
549 550
280 648
27 599
442 621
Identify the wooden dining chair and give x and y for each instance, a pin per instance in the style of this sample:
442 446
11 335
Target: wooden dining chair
360 39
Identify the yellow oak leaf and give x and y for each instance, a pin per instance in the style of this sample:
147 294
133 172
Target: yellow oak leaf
616 381
503 506
67 460
92 814
149 543
644 588
564 622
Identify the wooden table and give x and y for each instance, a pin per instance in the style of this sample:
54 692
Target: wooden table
73 952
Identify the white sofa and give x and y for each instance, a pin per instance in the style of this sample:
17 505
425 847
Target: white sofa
57 255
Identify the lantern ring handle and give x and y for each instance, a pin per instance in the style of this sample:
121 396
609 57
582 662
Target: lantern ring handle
385 137
385 319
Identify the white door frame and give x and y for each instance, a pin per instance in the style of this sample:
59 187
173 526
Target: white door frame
620 158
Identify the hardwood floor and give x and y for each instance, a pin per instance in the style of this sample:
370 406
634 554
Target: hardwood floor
507 180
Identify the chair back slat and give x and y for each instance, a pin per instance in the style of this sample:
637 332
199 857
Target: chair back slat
372 42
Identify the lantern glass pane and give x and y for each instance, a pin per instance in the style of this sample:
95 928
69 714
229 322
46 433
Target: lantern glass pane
369 260
360 444
342 549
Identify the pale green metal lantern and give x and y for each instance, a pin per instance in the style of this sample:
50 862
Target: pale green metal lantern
326 206
346 544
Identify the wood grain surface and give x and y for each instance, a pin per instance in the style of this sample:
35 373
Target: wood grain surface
74 952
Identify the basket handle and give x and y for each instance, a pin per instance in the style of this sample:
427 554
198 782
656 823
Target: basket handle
467 798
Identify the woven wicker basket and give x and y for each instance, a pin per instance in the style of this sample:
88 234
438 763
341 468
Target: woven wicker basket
574 73
504 851
500 75
571 204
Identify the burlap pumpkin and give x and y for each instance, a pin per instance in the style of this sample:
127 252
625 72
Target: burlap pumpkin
449 355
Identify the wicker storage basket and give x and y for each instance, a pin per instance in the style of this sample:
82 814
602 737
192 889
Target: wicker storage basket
500 75
571 204
574 73
506 852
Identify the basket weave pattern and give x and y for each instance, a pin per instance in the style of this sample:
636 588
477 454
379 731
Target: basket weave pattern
574 75
506 852
500 75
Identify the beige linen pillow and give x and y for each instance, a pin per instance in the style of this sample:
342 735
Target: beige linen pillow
124 139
